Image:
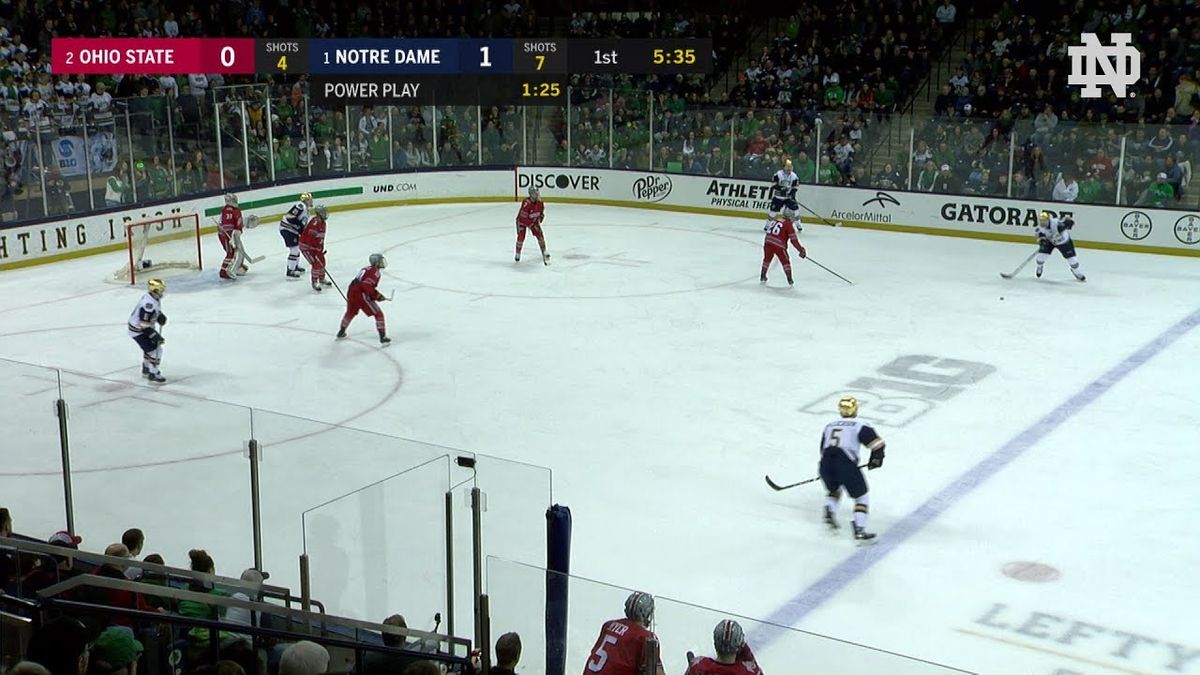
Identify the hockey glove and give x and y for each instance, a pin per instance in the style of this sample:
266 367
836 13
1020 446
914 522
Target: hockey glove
156 337
876 459
162 319
1068 223
803 253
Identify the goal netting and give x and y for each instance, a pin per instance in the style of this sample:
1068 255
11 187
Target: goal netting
153 245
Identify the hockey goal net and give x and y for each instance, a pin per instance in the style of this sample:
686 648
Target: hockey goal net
163 243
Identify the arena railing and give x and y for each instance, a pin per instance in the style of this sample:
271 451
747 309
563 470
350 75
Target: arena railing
517 599
255 488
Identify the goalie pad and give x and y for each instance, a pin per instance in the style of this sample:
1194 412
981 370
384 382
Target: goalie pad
239 251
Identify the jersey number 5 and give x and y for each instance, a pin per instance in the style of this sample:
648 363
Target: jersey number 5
600 657
835 437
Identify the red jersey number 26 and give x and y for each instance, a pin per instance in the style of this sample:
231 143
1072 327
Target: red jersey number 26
773 227
600 657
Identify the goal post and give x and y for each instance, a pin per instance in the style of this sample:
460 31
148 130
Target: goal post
170 242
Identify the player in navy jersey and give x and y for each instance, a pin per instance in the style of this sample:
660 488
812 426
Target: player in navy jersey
1054 234
840 445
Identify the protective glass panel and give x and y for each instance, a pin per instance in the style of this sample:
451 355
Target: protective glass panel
544 139
500 140
517 597
31 474
457 135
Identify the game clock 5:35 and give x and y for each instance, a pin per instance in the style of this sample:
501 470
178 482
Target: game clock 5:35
683 56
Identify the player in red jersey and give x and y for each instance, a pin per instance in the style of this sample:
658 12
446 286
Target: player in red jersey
364 296
621 647
779 232
733 654
229 232
533 211
312 246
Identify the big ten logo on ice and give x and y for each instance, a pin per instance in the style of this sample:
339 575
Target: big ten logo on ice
651 188
559 181
1120 65
1136 225
1187 229
395 187
921 382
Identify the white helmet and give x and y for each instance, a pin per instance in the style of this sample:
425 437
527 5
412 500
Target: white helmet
230 199
377 260
535 193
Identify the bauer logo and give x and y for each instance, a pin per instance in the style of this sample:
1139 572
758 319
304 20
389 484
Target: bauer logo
651 188
559 181
396 187
1136 225
1187 230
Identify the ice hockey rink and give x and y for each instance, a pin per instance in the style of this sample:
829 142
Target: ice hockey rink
1034 511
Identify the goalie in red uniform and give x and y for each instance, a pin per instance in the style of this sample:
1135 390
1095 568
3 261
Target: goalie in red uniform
312 246
363 296
733 654
780 231
533 211
229 233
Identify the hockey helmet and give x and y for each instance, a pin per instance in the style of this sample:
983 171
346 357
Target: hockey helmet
848 406
306 197
640 607
535 193
728 638
789 213
156 287
787 165
1043 218
377 260
322 212
231 199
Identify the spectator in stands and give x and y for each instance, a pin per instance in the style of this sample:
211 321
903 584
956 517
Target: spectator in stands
115 652
28 668
508 653
117 189
1159 193
944 182
134 539
1161 145
927 177
57 568
114 597
61 645
203 563
304 658
380 663
8 559
1065 188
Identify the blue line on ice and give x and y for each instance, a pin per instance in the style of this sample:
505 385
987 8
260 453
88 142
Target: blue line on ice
855 566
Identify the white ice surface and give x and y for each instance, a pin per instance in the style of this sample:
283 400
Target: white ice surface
659 381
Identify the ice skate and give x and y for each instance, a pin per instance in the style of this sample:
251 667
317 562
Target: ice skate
861 534
155 378
831 520
293 274
326 282
762 279
517 258
317 287
546 259
341 334
384 340
1038 272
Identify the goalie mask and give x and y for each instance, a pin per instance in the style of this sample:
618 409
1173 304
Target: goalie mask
231 200
156 287
848 406
377 260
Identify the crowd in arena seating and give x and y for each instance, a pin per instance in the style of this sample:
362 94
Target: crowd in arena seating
1011 96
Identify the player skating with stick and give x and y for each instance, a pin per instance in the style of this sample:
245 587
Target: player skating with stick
144 323
780 230
312 246
840 443
363 296
531 215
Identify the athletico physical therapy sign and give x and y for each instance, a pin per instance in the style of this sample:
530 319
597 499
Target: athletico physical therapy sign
1112 227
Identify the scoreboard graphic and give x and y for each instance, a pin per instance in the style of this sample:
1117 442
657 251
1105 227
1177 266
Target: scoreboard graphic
394 71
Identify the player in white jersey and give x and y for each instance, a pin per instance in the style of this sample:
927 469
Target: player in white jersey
143 328
1055 233
784 185
840 444
290 228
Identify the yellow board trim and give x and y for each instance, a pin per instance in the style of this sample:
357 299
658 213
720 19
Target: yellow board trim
886 227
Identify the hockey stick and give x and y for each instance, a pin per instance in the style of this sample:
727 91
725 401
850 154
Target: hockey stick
829 270
777 487
1019 267
335 285
820 217
241 248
